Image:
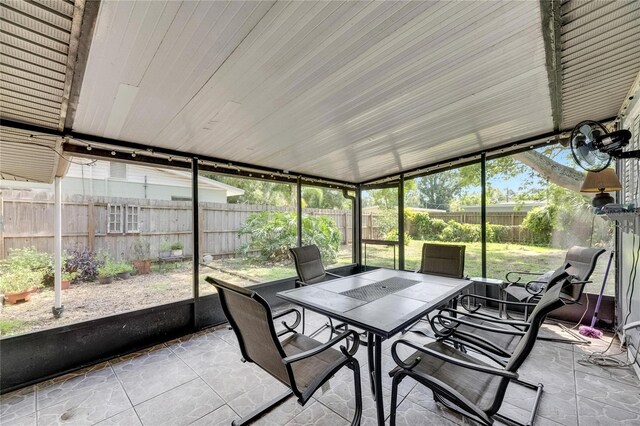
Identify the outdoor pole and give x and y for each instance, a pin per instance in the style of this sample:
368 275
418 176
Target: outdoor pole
195 237
483 211
401 223
299 210
58 308
357 227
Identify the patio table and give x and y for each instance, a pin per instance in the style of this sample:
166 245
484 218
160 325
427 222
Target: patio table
382 302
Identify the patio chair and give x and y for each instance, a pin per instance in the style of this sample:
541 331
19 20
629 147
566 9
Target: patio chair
462 382
310 271
299 362
582 261
442 259
493 334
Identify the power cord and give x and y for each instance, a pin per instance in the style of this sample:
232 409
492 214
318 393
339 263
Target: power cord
601 359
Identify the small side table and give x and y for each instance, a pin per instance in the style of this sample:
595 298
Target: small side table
502 308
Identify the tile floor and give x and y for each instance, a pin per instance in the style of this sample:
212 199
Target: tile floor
200 380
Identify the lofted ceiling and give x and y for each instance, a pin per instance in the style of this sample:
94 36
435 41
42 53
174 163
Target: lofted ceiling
346 90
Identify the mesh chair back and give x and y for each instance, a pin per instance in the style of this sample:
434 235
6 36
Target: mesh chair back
583 261
550 301
443 260
250 317
308 264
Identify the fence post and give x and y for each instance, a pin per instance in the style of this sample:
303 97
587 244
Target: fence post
346 228
91 226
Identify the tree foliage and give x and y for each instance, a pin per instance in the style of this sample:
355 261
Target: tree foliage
272 233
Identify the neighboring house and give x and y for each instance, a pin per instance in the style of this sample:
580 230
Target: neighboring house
523 206
115 179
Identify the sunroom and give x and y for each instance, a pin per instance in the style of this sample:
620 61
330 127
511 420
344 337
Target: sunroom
157 154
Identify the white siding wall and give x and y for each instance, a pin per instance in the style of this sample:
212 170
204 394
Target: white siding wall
629 176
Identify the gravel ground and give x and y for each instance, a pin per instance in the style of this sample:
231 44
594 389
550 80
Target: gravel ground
86 301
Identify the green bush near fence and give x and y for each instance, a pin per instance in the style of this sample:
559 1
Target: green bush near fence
423 227
273 233
539 222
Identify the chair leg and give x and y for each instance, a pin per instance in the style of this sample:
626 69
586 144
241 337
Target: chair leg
249 418
303 316
357 416
534 410
397 378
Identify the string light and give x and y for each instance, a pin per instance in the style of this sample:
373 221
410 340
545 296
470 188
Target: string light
133 154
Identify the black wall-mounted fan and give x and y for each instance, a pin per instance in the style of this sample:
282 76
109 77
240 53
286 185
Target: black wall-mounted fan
593 147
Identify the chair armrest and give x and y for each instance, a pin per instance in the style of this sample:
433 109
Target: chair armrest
478 349
334 275
460 363
288 328
514 323
449 326
504 302
519 274
533 292
315 351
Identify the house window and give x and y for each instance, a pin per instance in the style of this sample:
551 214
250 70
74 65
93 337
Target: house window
117 170
115 218
133 219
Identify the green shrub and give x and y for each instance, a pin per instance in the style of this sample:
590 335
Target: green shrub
122 267
19 280
323 232
393 236
498 233
178 245
460 232
109 269
29 258
273 233
539 222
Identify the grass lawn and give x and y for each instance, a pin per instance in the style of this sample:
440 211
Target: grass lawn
501 258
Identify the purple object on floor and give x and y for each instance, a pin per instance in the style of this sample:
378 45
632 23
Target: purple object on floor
592 331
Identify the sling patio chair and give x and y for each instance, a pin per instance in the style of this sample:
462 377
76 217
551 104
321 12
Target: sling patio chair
445 260
310 269
582 261
299 362
464 383
497 335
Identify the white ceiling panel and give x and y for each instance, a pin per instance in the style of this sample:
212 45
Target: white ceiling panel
34 60
600 57
345 90
40 150
348 90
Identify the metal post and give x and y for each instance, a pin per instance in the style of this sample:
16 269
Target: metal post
357 227
299 210
58 308
400 224
483 211
196 241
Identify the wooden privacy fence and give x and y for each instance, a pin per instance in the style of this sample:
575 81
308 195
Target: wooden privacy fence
515 233
27 220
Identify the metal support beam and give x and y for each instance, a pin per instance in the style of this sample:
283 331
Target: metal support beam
196 241
483 211
58 308
401 223
299 210
357 227
551 30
